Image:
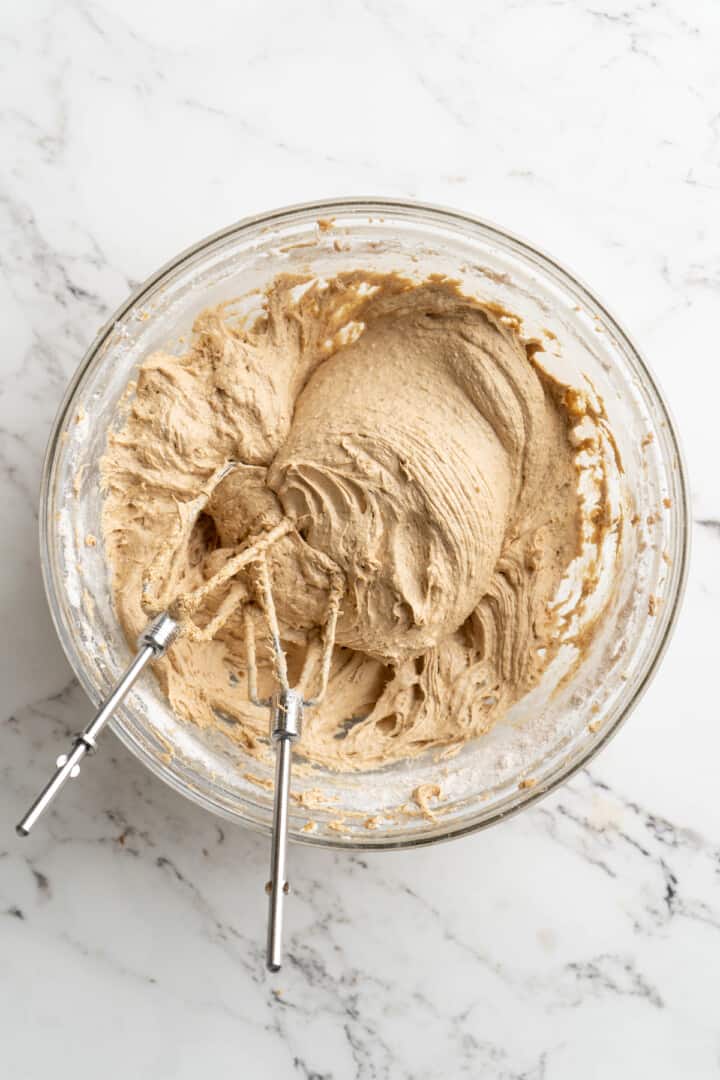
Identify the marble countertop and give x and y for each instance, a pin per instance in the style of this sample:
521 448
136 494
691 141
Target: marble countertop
582 938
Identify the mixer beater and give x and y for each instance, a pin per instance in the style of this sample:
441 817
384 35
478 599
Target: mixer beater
286 704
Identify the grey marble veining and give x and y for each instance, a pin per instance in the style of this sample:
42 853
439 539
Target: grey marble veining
581 938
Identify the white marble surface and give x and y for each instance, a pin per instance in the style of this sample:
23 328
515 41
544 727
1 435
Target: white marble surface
581 939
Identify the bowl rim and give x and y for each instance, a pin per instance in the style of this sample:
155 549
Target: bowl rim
371 205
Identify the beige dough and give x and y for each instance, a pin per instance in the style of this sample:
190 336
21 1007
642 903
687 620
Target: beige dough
415 444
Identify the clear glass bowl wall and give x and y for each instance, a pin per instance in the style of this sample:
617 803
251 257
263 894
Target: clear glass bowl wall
482 783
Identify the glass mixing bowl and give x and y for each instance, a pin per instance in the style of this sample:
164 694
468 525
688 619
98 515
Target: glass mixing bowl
545 737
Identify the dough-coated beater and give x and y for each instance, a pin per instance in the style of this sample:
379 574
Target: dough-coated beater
286 705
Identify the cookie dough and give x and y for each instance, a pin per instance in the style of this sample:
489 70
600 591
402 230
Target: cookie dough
416 447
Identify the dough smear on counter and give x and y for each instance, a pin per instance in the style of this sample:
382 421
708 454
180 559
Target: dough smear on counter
417 449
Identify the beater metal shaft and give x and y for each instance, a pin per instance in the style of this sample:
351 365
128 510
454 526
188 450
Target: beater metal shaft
286 710
153 643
